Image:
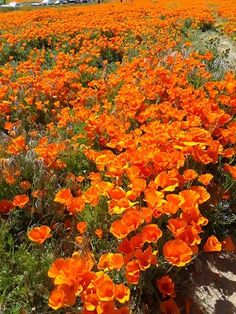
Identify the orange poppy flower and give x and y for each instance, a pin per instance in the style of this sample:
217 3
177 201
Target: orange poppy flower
62 296
138 185
151 233
177 252
99 233
194 216
190 174
18 145
228 245
190 235
133 172
79 179
145 258
20 200
162 179
110 261
147 214
166 182
132 219
190 199
153 197
132 195
56 299
176 226
91 196
204 195
132 272
123 310
37 194
64 197
6 206
39 234
228 153
95 177
79 240
205 178
122 293
91 303
25 185
81 226
166 286
107 307
104 187
105 288
9 126
125 246
174 202
76 205
212 245
56 267
119 206
137 241
231 170
117 193
119 229
169 307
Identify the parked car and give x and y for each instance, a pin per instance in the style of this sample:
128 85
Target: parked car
12 5
47 2
61 2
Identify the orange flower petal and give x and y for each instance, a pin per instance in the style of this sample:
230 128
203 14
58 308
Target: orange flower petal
39 234
20 200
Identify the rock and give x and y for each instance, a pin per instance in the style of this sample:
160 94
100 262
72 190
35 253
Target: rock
211 284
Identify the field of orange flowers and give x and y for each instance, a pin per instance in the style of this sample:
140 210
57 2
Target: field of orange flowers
117 154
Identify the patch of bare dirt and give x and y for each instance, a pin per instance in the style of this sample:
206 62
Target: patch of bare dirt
224 44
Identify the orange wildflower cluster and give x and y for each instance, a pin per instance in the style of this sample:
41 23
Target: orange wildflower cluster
74 277
114 125
7 205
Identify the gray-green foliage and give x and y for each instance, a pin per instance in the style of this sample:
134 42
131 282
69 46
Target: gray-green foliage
24 285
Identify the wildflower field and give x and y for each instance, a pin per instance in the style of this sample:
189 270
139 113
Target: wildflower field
117 153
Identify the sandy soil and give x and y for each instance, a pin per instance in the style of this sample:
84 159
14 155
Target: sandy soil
223 43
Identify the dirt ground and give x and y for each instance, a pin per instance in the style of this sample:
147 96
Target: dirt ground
227 44
224 45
